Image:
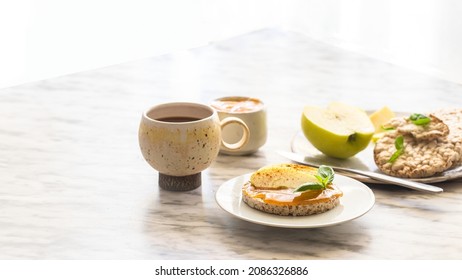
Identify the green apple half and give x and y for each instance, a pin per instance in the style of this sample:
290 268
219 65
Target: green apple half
339 131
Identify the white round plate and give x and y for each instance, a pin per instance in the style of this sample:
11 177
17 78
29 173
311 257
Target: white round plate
356 201
364 160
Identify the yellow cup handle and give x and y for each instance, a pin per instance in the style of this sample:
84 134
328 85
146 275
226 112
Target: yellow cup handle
245 136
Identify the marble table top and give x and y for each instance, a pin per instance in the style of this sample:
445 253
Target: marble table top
74 185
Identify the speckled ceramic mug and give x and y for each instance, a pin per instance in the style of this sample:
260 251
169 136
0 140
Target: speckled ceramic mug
182 139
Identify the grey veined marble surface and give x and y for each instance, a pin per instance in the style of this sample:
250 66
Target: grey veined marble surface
73 183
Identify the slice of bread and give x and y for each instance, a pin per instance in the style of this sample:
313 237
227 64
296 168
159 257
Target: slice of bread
271 190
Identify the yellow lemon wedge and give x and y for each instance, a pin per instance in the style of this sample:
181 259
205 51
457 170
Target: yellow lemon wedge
381 117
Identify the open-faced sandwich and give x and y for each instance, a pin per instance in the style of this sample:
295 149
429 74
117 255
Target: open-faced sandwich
292 189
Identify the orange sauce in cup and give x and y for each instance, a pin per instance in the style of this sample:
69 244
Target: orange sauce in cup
237 104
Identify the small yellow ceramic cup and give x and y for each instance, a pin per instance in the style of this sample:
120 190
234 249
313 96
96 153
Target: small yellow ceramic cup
252 112
182 139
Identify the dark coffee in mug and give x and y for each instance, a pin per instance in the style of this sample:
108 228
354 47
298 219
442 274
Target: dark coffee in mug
178 119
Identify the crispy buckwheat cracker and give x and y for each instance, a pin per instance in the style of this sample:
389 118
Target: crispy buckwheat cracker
435 129
453 119
421 158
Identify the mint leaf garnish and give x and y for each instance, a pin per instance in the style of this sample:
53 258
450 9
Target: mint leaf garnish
399 145
325 176
310 186
387 128
419 119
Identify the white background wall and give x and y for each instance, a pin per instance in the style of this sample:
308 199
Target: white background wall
46 38
425 35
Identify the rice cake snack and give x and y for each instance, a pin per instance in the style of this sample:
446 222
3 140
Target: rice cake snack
435 129
420 158
427 149
271 189
453 119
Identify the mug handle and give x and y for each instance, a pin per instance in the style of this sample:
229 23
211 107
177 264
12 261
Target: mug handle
245 129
